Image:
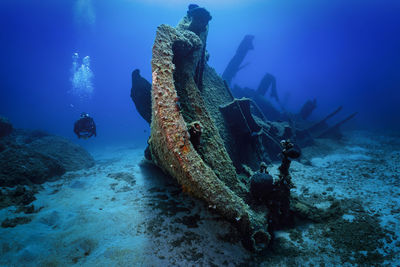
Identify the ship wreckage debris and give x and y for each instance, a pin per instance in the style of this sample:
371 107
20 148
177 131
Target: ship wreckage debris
210 139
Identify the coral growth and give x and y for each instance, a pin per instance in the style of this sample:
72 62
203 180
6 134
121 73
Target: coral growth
208 174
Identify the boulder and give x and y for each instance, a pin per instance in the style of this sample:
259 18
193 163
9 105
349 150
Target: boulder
25 136
33 157
5 127
21 165
71 156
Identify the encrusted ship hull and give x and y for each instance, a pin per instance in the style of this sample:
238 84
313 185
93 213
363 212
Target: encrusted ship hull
206 172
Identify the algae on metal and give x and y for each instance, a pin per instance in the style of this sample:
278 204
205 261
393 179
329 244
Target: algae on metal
208 172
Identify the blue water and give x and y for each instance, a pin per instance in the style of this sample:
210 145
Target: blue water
340 52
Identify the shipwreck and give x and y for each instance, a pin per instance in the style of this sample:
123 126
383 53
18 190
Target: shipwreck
211 139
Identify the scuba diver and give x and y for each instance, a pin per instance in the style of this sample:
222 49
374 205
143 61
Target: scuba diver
85 126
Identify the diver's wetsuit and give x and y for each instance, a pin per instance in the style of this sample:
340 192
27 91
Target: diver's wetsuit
85 127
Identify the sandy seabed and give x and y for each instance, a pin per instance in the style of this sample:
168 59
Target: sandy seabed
124 212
